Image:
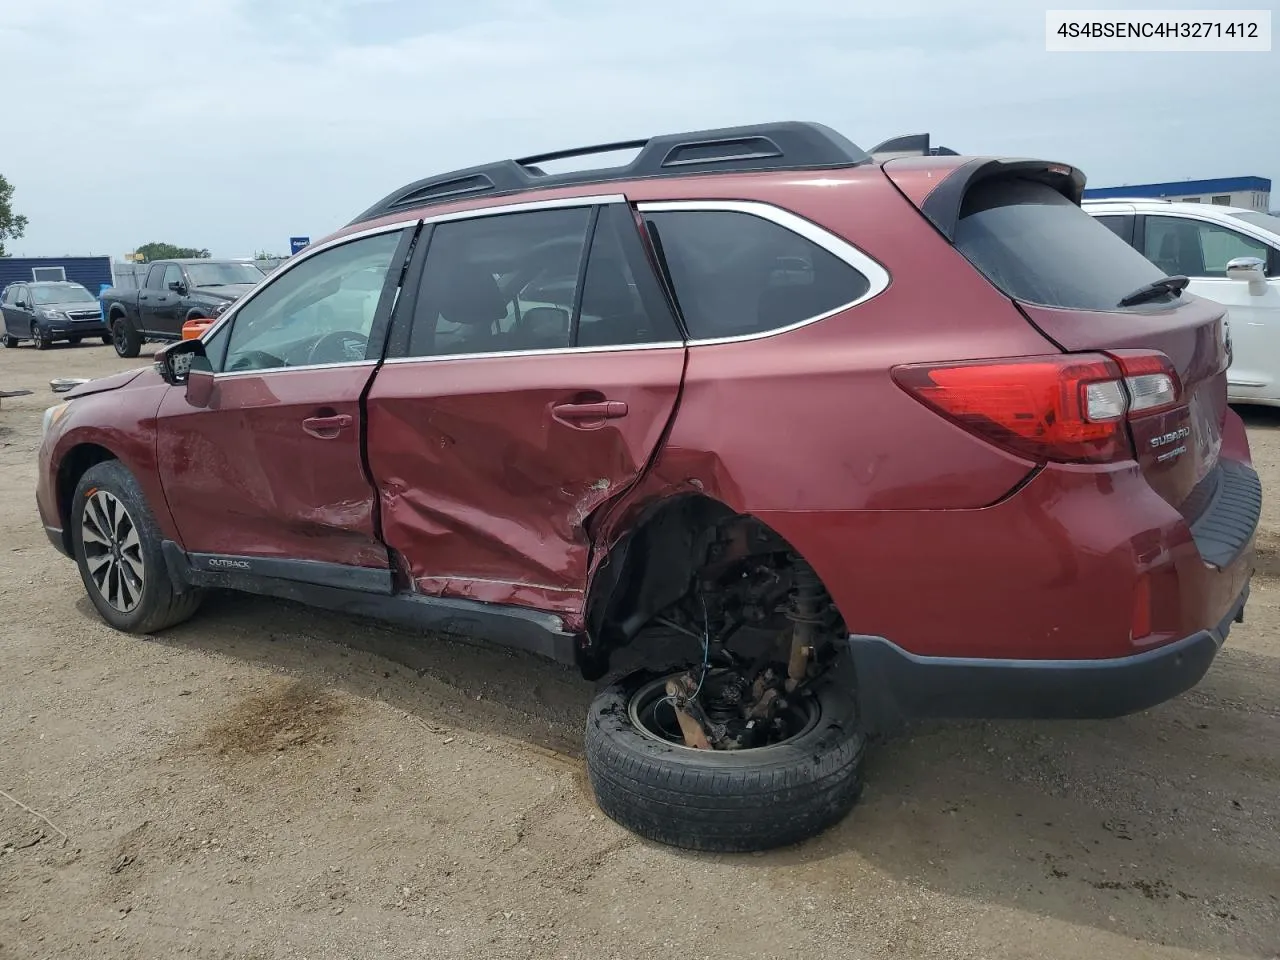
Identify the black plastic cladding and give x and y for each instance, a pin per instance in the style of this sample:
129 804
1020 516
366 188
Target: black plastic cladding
786 145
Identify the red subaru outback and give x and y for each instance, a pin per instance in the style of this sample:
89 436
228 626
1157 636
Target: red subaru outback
838 440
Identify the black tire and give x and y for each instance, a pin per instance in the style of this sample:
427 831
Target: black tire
10 341
157 604
38 338
126 340
106 339
74 341
728 801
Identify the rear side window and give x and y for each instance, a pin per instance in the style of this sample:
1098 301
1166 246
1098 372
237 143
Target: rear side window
1036 245
735 273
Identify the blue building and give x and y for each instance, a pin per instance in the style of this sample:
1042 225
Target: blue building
1251 193
91 272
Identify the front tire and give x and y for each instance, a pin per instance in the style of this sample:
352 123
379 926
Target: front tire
39 339
106 339
116 543
126 340
74 341
726 800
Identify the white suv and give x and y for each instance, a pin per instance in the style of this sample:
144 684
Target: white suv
1231 256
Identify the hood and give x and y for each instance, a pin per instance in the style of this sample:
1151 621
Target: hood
228 291
76 306
113 382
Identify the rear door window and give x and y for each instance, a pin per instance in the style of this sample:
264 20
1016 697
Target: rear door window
735 274
622 302
500 283
1037 246
1119 224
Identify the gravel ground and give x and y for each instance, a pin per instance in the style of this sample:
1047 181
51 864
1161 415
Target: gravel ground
267 782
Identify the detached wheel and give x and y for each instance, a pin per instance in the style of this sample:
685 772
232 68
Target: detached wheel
126 340
117 548
646 779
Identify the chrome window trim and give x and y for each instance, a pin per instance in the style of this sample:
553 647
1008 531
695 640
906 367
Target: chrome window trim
608 348
877 276
318 248
595 200
232 374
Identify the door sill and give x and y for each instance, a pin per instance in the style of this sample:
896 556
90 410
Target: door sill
514 627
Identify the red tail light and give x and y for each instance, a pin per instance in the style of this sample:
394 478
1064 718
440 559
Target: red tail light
1068 408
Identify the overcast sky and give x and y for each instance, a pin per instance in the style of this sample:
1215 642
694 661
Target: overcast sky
233 124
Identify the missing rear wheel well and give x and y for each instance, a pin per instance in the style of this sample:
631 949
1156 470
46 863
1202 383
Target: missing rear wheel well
694 568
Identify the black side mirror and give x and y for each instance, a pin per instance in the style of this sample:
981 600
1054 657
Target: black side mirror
177 286
21 305
174 362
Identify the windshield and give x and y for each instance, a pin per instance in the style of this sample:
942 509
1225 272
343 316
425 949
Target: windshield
71 293
1263 220
220 274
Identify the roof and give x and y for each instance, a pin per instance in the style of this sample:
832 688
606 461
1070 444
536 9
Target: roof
1181 188
1173 206
198 260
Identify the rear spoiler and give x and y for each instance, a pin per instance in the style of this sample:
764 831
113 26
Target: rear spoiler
942 205
911 145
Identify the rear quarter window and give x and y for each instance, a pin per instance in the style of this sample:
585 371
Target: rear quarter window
1037 246
735 274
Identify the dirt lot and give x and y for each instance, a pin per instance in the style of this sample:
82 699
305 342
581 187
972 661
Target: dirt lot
266 781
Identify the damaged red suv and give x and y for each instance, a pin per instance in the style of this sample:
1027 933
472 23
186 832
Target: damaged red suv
827 440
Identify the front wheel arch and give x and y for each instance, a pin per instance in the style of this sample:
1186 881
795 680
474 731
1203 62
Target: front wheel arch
74 465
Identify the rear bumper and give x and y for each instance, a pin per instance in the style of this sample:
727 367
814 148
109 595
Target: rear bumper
894 684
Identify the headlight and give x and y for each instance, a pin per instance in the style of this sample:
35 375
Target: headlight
52 416
51 314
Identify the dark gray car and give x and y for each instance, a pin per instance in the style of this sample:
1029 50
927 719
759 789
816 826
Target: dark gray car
45 312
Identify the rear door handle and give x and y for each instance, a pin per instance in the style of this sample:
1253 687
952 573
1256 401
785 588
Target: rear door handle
580 412
326 428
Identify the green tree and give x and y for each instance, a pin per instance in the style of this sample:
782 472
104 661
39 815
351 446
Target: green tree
12 225
167 251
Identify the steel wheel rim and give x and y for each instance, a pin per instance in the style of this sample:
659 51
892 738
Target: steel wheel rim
643 712
117 334
112 551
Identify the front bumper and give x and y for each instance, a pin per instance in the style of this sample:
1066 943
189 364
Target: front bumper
894 684
59 329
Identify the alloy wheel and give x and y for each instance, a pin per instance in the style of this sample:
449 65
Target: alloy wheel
113 551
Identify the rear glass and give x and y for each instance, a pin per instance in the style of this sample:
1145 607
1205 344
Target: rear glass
1036 245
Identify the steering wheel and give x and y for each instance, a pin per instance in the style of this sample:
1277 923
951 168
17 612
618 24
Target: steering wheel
256 360
351 345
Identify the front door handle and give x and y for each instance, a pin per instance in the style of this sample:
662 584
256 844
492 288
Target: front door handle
326 428
579 413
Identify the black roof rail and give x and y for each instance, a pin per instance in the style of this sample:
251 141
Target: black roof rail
911 145
786 145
